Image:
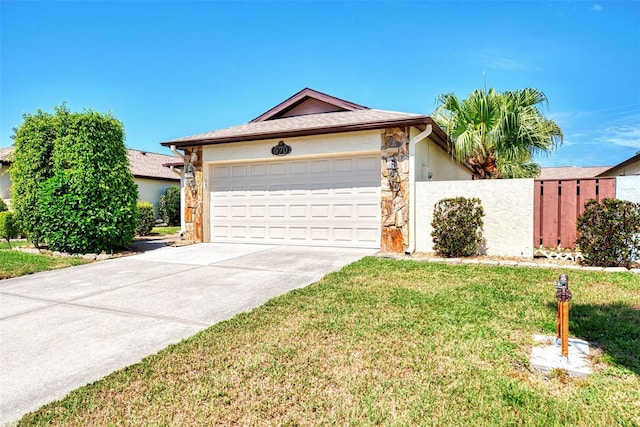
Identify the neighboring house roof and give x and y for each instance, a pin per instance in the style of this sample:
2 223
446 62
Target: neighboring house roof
571 172
150 165
616 169
5 155
143 163
311 112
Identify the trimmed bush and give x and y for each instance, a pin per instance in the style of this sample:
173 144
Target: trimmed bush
72 186
457 226
8 226
609 232
170 206
3 206
146 219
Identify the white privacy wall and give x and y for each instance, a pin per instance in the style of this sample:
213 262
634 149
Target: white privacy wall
628 188
508 207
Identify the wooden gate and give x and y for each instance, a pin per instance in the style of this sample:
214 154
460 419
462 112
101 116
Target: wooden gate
557 205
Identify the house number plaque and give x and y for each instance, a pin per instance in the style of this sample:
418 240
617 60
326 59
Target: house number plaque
281 149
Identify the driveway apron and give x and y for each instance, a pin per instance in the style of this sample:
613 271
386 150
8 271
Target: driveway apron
62 329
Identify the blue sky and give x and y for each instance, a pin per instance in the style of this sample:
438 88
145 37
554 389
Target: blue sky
171 69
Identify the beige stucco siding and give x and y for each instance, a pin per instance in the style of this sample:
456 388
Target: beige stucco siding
5 182
306 146
432 163
150 190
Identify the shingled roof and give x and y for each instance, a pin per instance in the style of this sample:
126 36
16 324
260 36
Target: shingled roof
5 155
571 172
150 165
143 163
309 112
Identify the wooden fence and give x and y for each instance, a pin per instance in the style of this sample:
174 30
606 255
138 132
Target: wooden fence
557 205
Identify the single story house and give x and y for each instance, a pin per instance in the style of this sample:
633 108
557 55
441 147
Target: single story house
313 170
629 167
151 177
5 179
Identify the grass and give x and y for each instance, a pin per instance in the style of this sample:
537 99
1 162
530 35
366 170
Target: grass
162 231
15 263
386 342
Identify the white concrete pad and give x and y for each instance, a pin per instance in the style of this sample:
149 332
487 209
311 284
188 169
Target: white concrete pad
68 284
48 357
13 305
546 356
201 253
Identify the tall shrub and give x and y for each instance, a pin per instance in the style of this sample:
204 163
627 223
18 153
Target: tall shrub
457 226
84 199
32 165
3 206
609 232
170 206
146 219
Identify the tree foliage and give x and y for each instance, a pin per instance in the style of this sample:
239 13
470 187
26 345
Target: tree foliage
170 206
498 134
3 206
8 227
83 197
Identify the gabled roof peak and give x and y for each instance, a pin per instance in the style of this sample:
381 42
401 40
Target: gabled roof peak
308 101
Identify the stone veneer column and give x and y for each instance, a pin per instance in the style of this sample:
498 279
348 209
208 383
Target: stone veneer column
395 190
193 198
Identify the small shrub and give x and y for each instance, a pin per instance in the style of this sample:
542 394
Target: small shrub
8 226
457 226
3 206
609 232
146 219
170 206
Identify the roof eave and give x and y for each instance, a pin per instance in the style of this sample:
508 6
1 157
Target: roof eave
413 121
160 178
300 96
619 166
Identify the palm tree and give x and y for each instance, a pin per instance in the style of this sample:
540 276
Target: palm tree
497 134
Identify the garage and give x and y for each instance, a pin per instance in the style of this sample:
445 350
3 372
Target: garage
322 202
313 170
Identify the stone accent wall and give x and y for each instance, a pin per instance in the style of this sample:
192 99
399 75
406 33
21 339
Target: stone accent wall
193 197
395 190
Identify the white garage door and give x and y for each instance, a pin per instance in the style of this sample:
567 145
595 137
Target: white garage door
327 202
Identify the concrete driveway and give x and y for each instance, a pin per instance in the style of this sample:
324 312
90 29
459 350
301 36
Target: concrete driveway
62 329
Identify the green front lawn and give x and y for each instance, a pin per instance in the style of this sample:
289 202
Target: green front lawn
15 263
386 342
162 231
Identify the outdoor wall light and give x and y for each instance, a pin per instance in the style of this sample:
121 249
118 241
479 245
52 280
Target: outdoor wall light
190 175
392 165
392 168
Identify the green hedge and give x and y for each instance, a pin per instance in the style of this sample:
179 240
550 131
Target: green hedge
8 226
609 232
146 219
457 226
170 206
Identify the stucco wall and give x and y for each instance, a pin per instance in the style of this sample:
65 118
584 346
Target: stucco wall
628 188
150 190
435 164
5 182
508 206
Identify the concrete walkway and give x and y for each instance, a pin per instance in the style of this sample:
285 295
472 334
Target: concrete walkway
62 329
